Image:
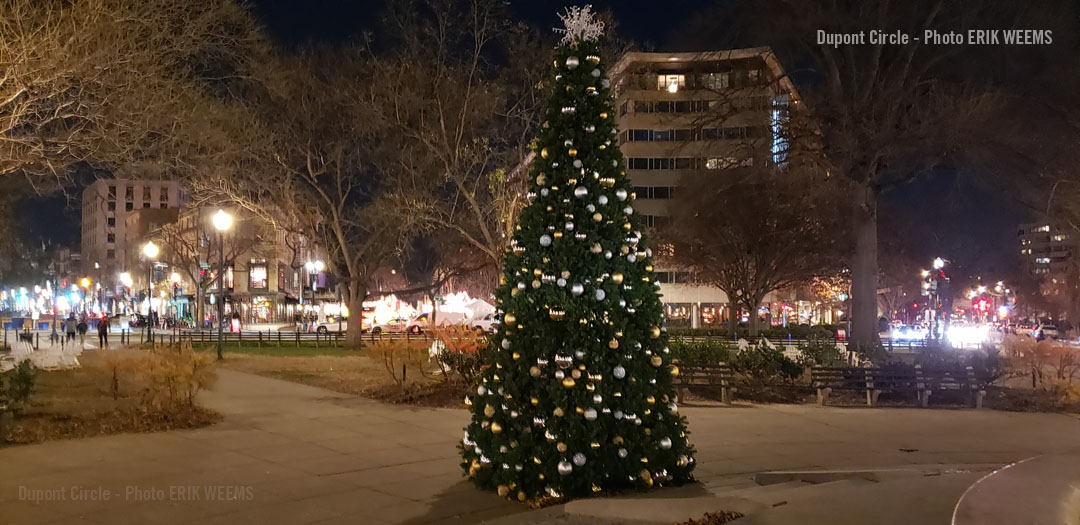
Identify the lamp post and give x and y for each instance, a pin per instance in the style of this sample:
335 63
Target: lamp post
313 269
150 250
222 222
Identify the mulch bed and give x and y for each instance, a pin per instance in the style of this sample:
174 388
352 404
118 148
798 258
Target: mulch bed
713 518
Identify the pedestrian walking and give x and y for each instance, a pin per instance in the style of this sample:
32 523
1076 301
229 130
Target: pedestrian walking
82 328
103 333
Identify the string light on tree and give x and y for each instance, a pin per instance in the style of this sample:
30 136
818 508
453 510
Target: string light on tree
577 396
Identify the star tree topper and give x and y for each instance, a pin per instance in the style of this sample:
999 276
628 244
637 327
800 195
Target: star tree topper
581 25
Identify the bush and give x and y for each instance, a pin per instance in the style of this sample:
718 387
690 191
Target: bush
165 377
820 352
398 355
17 385
459 348
697 353
761 365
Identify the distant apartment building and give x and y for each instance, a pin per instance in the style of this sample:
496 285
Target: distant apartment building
106 205
1045 248
697 114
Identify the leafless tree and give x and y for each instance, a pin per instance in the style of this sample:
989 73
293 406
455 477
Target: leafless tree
768 229
121 84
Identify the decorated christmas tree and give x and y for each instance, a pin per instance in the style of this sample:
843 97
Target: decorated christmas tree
577 396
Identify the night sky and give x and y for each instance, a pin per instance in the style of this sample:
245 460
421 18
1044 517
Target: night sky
947 213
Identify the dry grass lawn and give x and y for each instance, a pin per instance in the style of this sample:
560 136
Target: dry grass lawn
79 403
356 374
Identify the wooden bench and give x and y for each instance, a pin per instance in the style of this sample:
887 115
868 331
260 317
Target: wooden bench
954 379
828 378
874 381
718 375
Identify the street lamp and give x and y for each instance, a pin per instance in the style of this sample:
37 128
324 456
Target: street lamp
313 269
222 222
939 263
150 250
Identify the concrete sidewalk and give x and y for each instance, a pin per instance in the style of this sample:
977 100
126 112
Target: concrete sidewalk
288 453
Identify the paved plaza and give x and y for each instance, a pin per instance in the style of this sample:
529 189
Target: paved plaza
289 453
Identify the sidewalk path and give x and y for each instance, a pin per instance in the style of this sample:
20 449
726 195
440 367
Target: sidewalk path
289 453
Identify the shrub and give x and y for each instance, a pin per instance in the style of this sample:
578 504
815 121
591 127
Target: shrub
398 355
820 352
165 377
761 365
459 349
697 353
17 385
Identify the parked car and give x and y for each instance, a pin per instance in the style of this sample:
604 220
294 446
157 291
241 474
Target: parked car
393 326
486 324
422 322
332 324
1045 330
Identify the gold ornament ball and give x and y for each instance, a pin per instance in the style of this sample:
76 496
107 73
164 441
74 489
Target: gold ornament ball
558 412
515 356
572 152
596 248
655 332
489 411
535 284
603 115
648 268
597 217
650 400
576 374
533 401
534 371
509 318
496 428
514 292
561 447
674 371
557 235
568 382
544 153
657 360
538 272
617 278
565 274
503 490
502 280
594 445
613 344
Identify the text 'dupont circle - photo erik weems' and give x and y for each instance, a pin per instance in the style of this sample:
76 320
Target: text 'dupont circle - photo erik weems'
992 37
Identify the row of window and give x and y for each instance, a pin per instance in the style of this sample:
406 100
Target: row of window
129 193
654 192
129 206
695 106
673 81
692 134
674 277
687 163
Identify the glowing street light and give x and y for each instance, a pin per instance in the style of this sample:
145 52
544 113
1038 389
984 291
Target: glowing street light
125 279
150 250
222 222
939 263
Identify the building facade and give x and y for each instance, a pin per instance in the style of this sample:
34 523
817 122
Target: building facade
106 205
697 114
1045 248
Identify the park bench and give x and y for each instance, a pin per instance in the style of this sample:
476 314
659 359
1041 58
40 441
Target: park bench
828 378
954 379
718 375
874 381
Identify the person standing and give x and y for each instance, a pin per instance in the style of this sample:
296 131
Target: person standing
103 333
70 328
82 328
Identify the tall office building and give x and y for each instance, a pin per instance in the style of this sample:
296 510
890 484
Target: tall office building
696 114
105 207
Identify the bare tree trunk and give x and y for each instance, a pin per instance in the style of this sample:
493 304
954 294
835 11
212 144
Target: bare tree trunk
864 267
196 318
752 305
733 316
354 335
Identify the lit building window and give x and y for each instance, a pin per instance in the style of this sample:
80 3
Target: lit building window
1059 238
1042 260
670 83
1043 228
257 270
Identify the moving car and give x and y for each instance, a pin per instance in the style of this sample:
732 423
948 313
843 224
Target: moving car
332 324
393 326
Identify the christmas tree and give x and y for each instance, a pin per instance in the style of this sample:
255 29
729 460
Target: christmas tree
577 396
